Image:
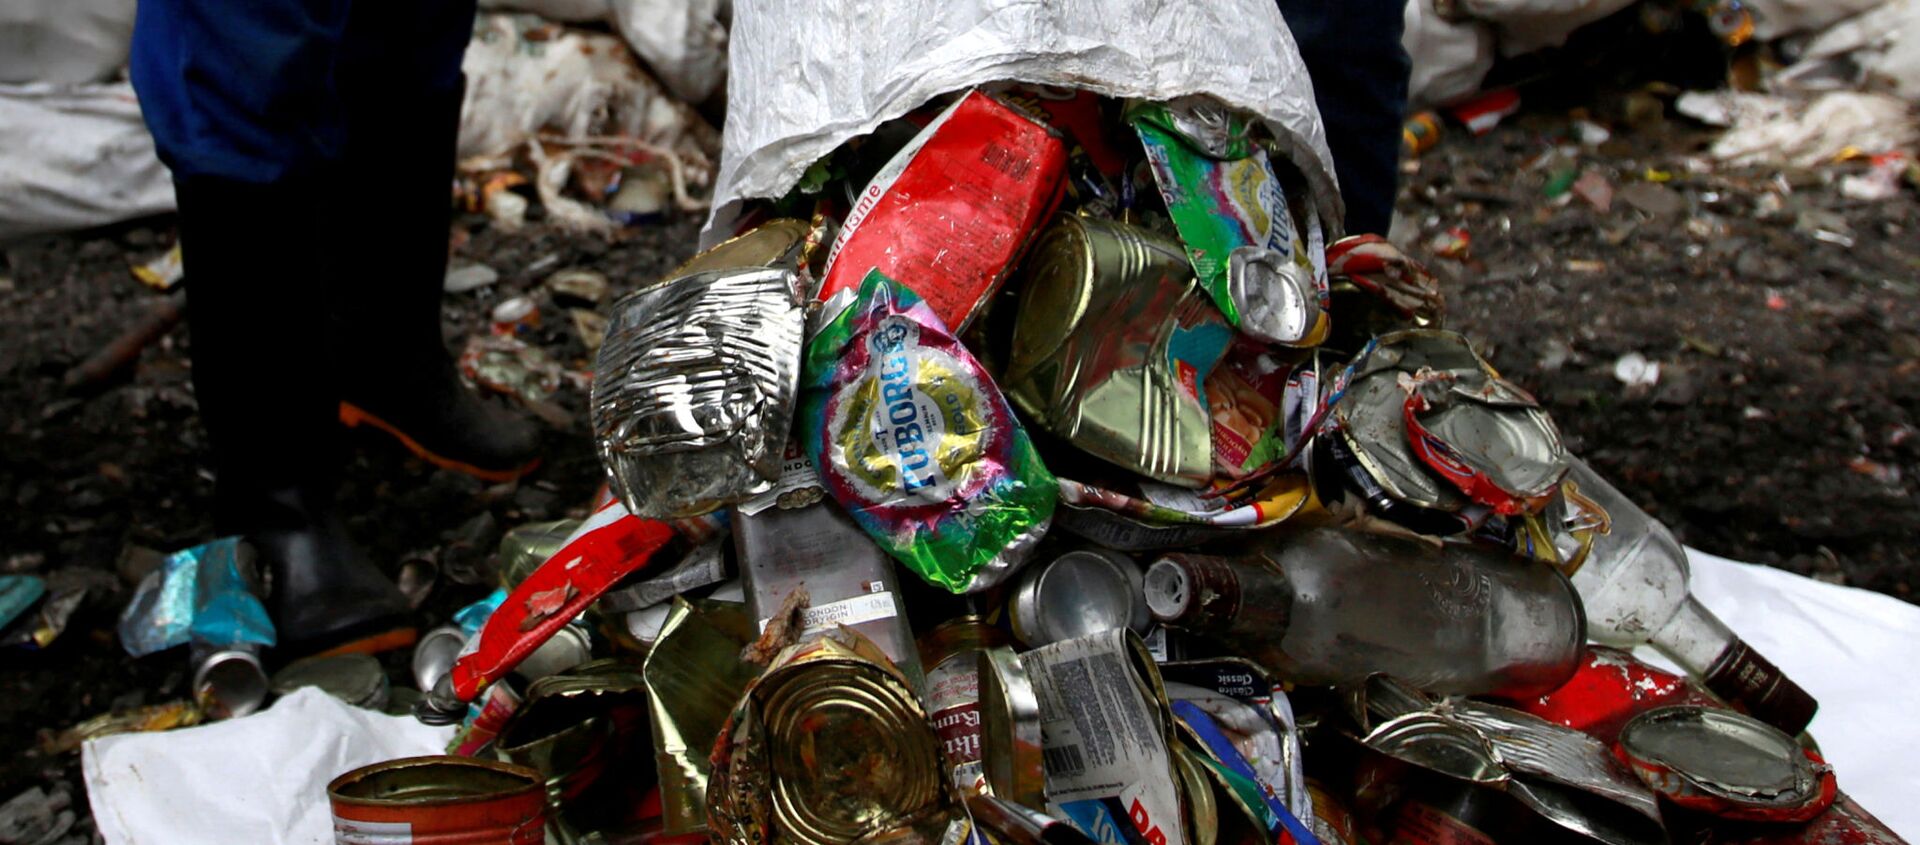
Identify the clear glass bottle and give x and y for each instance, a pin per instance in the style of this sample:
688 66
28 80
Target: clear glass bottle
1634 583
1328 606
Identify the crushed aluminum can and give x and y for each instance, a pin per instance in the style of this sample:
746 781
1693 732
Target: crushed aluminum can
1610 688
356 679
694 387
1377 266
1112 346
694 676
1110 769
1248 253
952 211
912 437
1157 518
1012 744
1727 764
1255 713
228 681
438 799
485 719
1565 776
1246 397
575 729
1202 123
568 647
952 651
1205 721
792 538
434 654
830 745
704 565
1013 824
1078 594
1434 426
780 241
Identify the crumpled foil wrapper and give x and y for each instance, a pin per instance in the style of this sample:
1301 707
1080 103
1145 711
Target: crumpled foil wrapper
693 391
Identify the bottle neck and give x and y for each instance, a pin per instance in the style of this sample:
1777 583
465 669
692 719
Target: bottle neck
1694 638
1733 670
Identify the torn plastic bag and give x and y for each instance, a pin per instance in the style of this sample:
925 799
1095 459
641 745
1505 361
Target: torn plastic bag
807 77
1449 58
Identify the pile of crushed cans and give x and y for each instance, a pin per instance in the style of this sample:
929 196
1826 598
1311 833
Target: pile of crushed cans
1037 472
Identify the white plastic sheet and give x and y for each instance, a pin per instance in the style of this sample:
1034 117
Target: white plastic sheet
1857 652
1449 58
807 76
683 41
64 41
74 156
261 780
1529 25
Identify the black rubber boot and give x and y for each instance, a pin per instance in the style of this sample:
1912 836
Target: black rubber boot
261 375
394 207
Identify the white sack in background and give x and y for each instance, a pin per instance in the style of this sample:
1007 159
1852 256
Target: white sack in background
260 780
1857 652
683 41
1766 129
808 76
1877 50
1529 25
1774 18
525 75
64 41
74 156
1449 59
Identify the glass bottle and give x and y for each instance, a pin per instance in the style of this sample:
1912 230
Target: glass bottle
1633 581
1329 606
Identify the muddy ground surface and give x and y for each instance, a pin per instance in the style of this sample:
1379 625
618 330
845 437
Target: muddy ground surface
1781 429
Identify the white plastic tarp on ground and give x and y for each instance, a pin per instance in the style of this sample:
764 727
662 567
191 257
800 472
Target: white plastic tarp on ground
806 77
262 780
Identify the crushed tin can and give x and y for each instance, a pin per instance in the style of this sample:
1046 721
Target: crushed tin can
794 539
830 745
1246 396
1109 768
1012 743
356 679
912 438
438 799
1254 715
1433 425
1728 764
1248 252
694 676
1567 777
1077 594
434 654
228 681
952 652
1112 346
1381 269
693 390
702 566
575 730
953 210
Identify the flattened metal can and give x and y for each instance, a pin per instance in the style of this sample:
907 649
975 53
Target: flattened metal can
1076 594
1010 729
1112 345
829 746
1728 764
438 801
693 391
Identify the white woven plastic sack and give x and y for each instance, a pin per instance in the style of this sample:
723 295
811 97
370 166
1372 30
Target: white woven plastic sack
64 41
684 42
75 156
1774 18
1449 59
1528 25
807 76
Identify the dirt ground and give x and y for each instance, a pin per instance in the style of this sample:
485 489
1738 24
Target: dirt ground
1781 429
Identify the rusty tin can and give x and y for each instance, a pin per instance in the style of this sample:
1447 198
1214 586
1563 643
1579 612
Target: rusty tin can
1728 764
1111 346
829 746
438 801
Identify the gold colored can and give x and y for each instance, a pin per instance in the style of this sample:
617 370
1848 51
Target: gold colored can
1111 344
829 746
775 241
694 676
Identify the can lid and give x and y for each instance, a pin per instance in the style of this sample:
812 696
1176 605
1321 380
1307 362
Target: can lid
412 781
356 679
1728 755
1077 594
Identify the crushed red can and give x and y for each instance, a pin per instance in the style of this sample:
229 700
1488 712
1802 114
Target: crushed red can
1727 764
952 211
1609 689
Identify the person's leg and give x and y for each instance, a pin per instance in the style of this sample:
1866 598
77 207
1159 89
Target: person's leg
238 98
1352 49
400 88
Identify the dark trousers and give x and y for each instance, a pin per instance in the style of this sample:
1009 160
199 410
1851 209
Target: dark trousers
1352 48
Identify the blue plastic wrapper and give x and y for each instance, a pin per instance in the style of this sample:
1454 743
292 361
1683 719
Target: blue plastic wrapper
17 594
472 617
196 594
